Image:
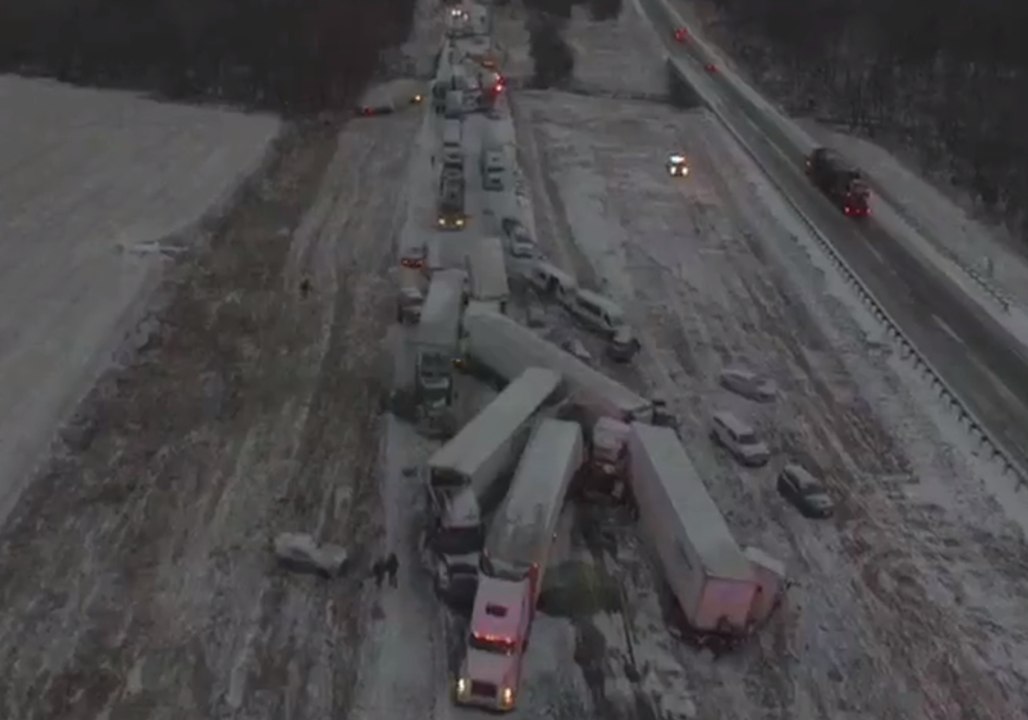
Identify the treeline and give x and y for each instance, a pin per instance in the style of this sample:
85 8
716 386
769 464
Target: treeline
948 79
552 58
286 55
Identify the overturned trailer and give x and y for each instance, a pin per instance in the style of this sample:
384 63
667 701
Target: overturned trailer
503 348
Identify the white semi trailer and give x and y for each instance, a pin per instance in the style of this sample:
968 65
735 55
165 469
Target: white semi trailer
468 476
438 335
504 348
488 287
713 581
517 549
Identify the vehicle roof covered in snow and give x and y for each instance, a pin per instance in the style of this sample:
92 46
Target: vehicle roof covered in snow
440 315
523 527
700 522
497 605
506 347
476 441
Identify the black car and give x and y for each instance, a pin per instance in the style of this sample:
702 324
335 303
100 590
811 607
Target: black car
805 492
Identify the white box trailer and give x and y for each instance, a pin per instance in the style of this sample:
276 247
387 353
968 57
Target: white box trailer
438 336
505 348
710 576
518 542
487 274
481 455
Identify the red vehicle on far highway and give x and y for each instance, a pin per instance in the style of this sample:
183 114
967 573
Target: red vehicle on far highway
840 181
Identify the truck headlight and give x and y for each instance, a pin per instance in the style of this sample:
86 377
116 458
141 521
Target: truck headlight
462 686
507 697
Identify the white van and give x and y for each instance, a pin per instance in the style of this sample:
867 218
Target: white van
739 439
551 280
598 312
453 143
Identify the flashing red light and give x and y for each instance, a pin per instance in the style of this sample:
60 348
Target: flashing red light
498 88
681 34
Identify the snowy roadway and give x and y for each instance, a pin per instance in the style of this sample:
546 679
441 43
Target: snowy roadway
906 603
92 186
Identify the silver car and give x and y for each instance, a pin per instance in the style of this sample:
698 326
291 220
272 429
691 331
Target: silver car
738 438
519 241
749 384
805 492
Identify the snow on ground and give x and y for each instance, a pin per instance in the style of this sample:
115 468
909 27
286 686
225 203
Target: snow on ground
135 573
906 602
935 227
403 662
92 185
615 55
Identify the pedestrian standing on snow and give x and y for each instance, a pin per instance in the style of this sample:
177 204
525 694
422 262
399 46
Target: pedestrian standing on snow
392 564
378 570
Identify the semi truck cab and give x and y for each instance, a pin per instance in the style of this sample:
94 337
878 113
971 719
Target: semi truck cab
490 674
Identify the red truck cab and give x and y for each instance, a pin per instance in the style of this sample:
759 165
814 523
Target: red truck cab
840 181
490 674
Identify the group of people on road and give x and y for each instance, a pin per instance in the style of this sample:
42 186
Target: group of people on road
387 566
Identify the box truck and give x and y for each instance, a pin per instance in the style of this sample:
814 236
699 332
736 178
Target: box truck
436 343
488 287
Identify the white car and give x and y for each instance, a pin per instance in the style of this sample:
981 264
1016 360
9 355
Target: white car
519 242
299 551
677 166
749 384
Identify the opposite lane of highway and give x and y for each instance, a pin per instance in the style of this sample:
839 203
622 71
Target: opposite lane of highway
966 346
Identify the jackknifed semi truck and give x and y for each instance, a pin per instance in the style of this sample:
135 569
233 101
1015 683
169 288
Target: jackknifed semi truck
468 476
513 564
503 348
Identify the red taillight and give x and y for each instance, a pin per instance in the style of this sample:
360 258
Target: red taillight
498 639
498 88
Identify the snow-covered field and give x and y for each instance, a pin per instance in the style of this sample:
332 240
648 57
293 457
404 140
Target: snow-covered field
135 574
92 186
905 603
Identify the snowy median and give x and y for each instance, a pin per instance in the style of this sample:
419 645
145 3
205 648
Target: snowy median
98 190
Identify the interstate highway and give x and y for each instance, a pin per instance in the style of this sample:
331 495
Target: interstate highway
972 352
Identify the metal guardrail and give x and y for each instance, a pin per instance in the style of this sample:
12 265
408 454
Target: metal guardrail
968 420
996 294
